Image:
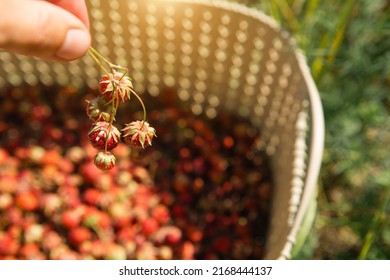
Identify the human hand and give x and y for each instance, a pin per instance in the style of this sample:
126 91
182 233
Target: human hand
52 30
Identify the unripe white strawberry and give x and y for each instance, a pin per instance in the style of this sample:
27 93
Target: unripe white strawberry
139 134
104 160
95 110
102 132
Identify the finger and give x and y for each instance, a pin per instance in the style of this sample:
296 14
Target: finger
42 29
76 7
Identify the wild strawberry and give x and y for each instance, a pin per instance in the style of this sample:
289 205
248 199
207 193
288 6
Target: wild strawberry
161 214
8 245
33 233
27 201
165 253
95 110
139 134
115 86
102 132
78 235
70 218
187 251
115 251
173 235
6 200
104 160
92 196
30 251
149 226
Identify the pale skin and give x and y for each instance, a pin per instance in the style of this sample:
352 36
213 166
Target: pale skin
55 30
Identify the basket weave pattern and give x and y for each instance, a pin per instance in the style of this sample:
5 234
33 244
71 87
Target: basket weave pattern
218 56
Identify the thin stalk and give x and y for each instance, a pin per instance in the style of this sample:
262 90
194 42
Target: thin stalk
288 14
333 44
91 54
311 8
96 53
101 57
343 23
114 109
142 104
375 224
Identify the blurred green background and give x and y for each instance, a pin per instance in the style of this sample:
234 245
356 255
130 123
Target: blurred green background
347 45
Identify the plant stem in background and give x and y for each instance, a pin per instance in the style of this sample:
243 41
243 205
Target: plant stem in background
377 220
331 41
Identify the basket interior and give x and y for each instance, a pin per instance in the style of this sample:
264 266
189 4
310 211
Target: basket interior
218 56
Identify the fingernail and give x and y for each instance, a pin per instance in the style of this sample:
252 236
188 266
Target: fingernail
75 45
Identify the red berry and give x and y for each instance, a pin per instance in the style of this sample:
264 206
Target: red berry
8 245
139 134
51 240
30 251
173 235
27 201
149 226
78 235
102 132
92 196
161 214
70 218
188 251
104 160
115 86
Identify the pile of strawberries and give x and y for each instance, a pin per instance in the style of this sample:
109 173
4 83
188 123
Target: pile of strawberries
202 191
114 88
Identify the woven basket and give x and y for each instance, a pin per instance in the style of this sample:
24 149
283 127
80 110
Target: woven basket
218 56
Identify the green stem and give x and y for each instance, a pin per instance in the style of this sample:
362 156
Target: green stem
96 53
92 54
142 104
376 220
114 109
101 57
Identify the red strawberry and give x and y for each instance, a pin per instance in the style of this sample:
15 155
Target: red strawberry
70 218
161 214
30 251
92 196
27 201
102 132
173 235
95 110
78 235
8 245
149 226
104 160
139 134
187 251
6 200
115 86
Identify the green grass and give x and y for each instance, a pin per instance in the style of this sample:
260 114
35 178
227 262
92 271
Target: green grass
347 44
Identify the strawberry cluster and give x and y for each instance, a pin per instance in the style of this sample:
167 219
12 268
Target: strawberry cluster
115 87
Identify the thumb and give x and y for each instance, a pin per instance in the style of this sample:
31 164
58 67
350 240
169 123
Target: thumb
41 29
